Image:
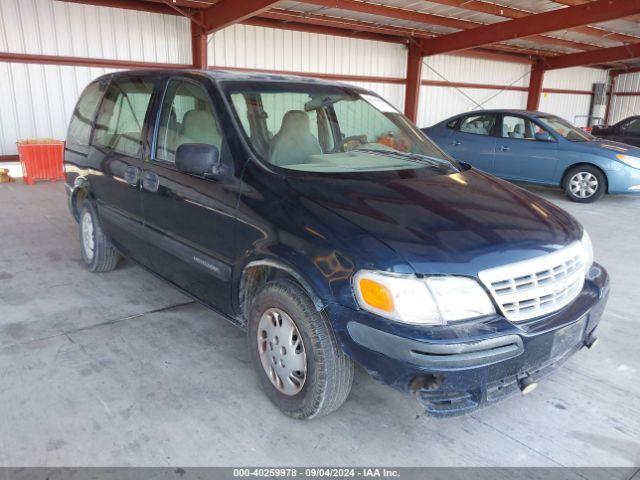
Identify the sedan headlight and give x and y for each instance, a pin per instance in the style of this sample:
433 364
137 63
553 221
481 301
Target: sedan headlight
421 301
629 160
587 249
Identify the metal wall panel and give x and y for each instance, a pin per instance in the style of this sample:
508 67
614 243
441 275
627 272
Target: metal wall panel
71 29
39 99
439 103
246 46
627 105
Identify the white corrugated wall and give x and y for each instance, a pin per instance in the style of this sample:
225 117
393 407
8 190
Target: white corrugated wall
626 105
38 99
245 46
439 102
571 107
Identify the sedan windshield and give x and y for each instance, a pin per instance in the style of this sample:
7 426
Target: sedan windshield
565 129
331 129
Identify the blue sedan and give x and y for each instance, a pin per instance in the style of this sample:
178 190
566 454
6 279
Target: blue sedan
536 147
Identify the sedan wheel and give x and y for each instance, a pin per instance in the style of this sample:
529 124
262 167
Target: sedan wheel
583 184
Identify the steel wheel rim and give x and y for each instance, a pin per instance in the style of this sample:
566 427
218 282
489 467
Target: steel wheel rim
583 184
88 241
282 353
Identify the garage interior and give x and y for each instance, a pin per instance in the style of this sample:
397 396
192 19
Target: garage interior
121 369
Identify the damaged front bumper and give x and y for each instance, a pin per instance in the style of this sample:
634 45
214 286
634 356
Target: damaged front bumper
457 368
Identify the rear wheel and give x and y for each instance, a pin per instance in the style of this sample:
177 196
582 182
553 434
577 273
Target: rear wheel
584 184
299 362
97 251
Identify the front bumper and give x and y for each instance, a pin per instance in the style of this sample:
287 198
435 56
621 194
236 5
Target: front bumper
624 180
457 368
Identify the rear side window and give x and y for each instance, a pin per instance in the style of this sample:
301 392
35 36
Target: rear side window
79 131
121 116
452 123
478 124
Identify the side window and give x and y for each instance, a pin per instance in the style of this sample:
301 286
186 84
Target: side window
121 116
79 132
478 124
452 123
520 127
632 126
187 117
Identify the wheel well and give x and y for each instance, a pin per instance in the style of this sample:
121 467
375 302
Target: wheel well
78 196
257 274
571 167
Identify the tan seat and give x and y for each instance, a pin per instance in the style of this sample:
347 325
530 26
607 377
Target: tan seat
200 126
294 143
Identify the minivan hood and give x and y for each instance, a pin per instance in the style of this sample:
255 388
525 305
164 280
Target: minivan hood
457 224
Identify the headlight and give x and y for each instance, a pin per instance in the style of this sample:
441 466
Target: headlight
421 301
587 249
629 160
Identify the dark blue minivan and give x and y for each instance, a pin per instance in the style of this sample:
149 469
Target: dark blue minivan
321 220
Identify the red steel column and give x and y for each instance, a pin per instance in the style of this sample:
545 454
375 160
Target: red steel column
414 77
535 85
198 46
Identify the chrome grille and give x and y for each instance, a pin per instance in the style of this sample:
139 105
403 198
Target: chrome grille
539 286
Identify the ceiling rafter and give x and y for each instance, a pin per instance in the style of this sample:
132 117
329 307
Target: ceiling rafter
593 12
509 12
603 55
432 19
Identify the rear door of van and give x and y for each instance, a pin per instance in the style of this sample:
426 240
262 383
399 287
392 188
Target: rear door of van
115 161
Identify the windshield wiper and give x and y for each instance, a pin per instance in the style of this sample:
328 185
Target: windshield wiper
412 157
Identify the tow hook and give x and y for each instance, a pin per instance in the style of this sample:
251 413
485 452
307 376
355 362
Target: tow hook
591 341
527 385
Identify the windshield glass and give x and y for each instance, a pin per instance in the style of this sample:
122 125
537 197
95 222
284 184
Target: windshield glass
565 129
331 129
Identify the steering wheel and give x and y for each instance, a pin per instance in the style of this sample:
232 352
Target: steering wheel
354 141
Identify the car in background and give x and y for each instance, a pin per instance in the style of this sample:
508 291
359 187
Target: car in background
625 131
536 147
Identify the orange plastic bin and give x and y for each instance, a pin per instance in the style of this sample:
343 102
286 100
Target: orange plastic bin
41 160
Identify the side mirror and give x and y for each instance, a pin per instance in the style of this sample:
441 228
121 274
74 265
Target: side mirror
544 137
201 160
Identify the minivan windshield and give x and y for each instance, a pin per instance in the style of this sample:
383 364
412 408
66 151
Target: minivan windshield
565 129
331 129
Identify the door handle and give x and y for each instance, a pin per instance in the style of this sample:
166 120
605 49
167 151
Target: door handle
132 175
456 143
150 181
504 148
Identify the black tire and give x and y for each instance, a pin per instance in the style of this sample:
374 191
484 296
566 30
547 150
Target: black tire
104 256
329 372
572 184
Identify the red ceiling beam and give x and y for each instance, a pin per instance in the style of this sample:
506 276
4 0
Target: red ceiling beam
603 55
301 20
322 29
622 71
140 5
507 12
228 12
559 19
431 19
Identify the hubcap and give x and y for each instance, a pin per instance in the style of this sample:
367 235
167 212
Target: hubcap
282 352
88 241
583 184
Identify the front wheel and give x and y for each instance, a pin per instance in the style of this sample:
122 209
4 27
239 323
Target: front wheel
584 184
299 362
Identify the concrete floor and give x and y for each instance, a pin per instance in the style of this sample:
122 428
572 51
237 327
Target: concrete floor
121 369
